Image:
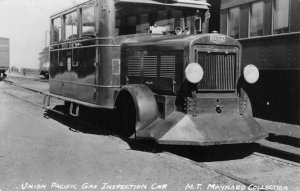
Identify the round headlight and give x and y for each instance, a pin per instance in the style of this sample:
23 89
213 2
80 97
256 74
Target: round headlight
251 73
194 73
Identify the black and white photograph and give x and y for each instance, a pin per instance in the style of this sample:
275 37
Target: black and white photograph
149 95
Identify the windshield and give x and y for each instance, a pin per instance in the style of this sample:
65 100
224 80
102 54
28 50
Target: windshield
141 18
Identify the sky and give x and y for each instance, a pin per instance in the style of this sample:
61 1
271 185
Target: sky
27 23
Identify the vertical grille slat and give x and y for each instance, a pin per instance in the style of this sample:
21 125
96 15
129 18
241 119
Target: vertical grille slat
150 66
134 66
219 71
167 66
224 82
231 75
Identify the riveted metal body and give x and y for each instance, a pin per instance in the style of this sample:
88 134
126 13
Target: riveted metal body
138 57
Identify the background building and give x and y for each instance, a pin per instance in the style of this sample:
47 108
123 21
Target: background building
269 31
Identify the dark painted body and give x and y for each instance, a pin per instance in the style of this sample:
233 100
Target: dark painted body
142 76
44 58
276 53
276 96
211 115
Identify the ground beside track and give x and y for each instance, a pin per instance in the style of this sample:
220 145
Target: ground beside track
39 150
267 174
276 128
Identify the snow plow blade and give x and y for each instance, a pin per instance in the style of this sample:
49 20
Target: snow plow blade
205 129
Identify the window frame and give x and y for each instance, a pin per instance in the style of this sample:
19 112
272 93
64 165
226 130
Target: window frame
288 17
159 16
91 5
60 32
78 24
250 17
228 21
269 9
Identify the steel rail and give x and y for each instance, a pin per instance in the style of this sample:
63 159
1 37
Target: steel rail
244 181
26 78
277 159
273 152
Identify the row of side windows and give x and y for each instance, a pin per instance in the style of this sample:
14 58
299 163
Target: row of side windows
73 25
262 17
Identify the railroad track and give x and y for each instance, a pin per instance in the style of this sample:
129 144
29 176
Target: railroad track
265 146
249 184
245 182
296 164
274 149
36 78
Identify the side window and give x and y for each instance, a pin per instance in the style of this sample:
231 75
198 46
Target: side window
88 21
234 22
144 24
257 19
71 25
56 24
131 24
294 17
281 16
224 22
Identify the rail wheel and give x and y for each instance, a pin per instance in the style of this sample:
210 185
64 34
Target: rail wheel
126 114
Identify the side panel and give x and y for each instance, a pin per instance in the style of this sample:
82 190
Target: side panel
85 68
55 70
88 68
276 94
108 67
68 89
161 70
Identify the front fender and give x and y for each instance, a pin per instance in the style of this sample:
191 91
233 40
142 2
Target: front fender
144 103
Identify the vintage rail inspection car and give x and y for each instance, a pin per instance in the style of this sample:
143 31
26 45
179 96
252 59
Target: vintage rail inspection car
154 63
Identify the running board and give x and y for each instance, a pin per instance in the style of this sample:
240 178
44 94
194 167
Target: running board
48 95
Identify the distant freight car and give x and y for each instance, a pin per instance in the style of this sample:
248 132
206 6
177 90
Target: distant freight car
44 58
4 56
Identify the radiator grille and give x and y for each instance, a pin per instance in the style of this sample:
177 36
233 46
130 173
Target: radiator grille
134 66
150 66
219 71
167 66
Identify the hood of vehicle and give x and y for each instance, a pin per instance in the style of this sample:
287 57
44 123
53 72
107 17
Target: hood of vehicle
178 41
